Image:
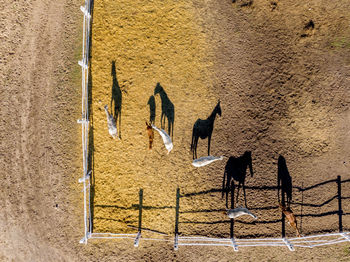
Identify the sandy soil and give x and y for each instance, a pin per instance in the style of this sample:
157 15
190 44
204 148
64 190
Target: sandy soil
283 90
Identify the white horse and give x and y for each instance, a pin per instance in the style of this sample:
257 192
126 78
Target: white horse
166 138
206 160
112 127
239 211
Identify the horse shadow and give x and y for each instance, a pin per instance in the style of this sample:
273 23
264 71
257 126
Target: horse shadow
116 98
236 170
284 182
204 129
168 110
152 109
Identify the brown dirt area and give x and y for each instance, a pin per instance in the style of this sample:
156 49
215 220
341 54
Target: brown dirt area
283 86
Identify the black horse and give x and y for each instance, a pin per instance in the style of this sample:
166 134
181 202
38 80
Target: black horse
236 169
203 129
167 109
284 181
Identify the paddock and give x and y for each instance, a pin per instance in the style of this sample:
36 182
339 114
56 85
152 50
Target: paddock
128 61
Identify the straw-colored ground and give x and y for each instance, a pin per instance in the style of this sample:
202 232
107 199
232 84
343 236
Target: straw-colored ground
268 111
283 89
147 47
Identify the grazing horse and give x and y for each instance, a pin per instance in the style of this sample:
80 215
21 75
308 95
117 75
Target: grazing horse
167 109
204 129
236 169
284 181
292 221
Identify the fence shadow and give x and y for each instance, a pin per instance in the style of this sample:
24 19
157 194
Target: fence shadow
91 146
91 150
168 109
283 172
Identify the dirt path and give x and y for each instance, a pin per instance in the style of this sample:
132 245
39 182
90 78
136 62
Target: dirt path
38 132
40 218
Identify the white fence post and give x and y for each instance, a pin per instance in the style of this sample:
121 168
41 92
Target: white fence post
288 244
234 244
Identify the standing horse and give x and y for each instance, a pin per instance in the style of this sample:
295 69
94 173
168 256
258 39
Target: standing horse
204 129
167 109
284 181
236 169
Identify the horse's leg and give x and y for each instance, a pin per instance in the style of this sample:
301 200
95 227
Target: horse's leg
239 185
232 194
195 146
209 139
169 127
245 198
227 188
120 122
172 128
161 120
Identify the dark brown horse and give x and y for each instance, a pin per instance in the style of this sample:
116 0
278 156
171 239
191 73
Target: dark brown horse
236 169
204 129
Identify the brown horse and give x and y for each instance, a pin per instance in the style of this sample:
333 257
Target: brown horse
292 221
150 134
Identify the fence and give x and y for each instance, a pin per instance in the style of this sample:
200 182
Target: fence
177 240
84 121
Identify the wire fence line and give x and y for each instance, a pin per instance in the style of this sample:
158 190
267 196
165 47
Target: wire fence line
84 121
177 240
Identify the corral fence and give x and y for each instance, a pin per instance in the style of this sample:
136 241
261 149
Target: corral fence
177 240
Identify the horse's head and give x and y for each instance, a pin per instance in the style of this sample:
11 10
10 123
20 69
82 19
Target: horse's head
218 108
248 161
158 89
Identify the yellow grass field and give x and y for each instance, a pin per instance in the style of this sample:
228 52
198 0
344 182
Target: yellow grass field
148 45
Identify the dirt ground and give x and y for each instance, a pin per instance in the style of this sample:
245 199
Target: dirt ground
283 86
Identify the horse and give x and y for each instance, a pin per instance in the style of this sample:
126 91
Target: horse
204 129
112 127
150 134
235 169
292 221
167 109
284 181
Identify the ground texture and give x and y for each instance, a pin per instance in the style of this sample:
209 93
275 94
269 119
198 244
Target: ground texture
279 68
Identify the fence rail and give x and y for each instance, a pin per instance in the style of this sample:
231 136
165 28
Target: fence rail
177 240
84 121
